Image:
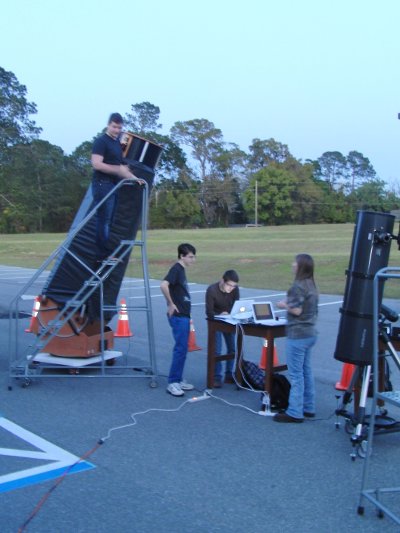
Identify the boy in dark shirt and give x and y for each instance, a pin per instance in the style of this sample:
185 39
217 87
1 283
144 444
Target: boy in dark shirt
175 289
220 298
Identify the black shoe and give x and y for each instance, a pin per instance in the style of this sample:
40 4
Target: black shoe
309 415
284 417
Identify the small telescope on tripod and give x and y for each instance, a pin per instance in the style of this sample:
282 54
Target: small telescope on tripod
370 251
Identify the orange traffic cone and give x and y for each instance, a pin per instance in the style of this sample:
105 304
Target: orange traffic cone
123 329
192 346
33 324
347 374
263 359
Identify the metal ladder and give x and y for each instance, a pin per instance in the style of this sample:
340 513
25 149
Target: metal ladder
21 364
374 495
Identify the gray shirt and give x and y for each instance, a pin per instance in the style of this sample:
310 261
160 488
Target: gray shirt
303 293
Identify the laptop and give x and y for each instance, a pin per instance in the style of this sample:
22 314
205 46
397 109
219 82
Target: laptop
263 313
242 311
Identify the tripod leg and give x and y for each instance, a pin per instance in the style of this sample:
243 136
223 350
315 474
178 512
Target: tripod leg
346 399
357 436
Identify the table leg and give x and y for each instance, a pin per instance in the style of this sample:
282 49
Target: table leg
210 357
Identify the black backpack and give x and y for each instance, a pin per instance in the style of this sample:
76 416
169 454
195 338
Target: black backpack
255 377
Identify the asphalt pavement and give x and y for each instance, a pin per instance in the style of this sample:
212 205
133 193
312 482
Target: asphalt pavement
169 465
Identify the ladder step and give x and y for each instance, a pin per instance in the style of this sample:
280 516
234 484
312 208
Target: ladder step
74 303
58 324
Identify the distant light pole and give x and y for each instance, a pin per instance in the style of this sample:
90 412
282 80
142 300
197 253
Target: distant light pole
256 205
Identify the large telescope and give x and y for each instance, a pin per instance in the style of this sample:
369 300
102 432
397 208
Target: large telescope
79 337
369 254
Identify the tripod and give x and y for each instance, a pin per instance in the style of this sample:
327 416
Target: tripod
357 423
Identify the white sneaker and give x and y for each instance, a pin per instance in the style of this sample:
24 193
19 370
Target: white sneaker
175 389
186 386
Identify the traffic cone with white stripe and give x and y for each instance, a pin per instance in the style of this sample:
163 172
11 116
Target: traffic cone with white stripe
123 329
192 345
263 359
33 324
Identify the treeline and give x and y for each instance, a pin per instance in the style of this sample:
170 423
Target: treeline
202 181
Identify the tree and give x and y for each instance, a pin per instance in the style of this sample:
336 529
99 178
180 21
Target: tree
373 195
143 119
332 167
15 110
42 186
307 196
275 186
360 170
175 204
335 206
203 138
220 190
265 152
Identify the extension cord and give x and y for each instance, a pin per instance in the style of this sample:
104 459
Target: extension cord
199 398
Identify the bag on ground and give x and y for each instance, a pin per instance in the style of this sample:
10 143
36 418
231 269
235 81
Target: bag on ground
255 377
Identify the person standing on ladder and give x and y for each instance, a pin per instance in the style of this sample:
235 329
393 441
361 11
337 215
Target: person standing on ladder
108 169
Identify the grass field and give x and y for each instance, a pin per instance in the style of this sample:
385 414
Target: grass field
262 256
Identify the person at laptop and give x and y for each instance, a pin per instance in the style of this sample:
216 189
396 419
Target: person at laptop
220 298
301 307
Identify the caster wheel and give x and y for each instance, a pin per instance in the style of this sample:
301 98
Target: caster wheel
9 387
337 425
153 384
26 383
360 510
380 514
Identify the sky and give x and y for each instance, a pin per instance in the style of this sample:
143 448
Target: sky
316 75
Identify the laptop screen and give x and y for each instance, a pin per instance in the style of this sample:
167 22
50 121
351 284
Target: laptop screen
263 311
241 306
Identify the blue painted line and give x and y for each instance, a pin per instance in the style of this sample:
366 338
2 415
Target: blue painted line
45 476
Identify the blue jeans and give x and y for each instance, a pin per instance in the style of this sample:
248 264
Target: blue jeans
180 330
302 391
230 348
105 213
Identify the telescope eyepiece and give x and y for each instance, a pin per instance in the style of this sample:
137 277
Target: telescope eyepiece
389 314
382 237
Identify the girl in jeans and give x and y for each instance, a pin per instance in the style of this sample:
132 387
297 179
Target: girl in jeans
301 307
